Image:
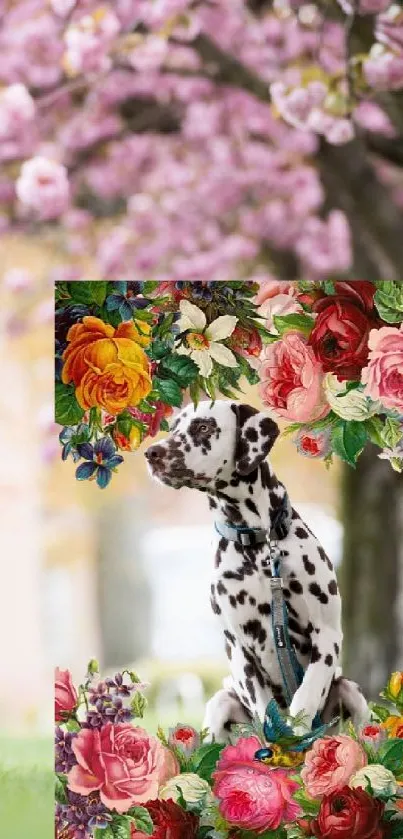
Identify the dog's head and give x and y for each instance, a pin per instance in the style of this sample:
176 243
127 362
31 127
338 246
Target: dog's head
209 443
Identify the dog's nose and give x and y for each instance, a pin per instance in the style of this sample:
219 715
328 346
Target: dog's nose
155 454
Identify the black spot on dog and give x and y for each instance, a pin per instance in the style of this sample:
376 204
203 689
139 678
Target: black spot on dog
316 655
251 435
301 533
221 589
251 689
296 587
294 626
228 651
231 638
212 503
241 596
255 629
232 600
251 506
324 557
329 660
336 648
264 608
306 648
333 589
252 601
308 565
214 605
294 515
316 590
221 484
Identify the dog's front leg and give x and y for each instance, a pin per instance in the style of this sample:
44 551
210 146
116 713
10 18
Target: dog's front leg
318 675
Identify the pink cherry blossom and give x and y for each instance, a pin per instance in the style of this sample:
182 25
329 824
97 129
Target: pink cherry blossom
43 187
88 40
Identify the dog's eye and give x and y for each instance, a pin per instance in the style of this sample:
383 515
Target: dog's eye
203 427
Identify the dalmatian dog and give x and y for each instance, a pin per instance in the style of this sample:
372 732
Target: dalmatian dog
221 449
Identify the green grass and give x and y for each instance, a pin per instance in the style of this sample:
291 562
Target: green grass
26 788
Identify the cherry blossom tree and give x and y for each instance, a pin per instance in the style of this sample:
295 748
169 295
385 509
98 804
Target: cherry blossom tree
219 138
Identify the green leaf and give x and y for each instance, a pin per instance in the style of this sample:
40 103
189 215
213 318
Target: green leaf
124 423
301 322
98 291
142 819
80 291
348 440
309 805
67 409
194 392
392 432
138 704
164 425
60 789
158 349
73 725
389 301
380 711
328 287
169 391
375 426
149 286
204 760
395 829
390 754
121 828
181 368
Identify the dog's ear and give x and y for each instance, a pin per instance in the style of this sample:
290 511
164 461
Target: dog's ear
255 435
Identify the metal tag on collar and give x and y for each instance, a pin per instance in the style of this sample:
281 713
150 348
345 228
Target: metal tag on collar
245 539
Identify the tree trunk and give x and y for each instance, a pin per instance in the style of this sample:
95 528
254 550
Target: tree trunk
371 574
124 595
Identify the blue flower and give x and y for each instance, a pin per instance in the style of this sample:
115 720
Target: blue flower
126 299
70 436
100 460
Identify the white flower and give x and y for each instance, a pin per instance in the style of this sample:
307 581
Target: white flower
349 405
381 779
193 788
202 342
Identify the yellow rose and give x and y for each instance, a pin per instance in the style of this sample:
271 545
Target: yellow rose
395 684
128 444
108 367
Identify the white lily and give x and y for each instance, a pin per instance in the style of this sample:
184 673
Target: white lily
349 405
202 343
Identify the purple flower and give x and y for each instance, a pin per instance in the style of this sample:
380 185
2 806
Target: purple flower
100 460
64 755
81 814
126 299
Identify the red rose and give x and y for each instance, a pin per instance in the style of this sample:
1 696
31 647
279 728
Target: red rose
349 814
360 292
170 822
344 321
65 695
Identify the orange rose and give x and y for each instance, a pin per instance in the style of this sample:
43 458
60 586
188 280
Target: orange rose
109 368
394 726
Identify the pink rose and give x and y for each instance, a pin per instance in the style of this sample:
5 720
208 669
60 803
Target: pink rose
383 376
65 694
291 380
251 795
125 763
331 763
271 288
44 187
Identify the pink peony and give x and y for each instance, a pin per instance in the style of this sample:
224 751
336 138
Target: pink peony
383 376
125 763
44 187
291 380
331 763
251 795
65 695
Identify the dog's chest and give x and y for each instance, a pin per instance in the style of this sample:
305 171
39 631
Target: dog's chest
241 597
